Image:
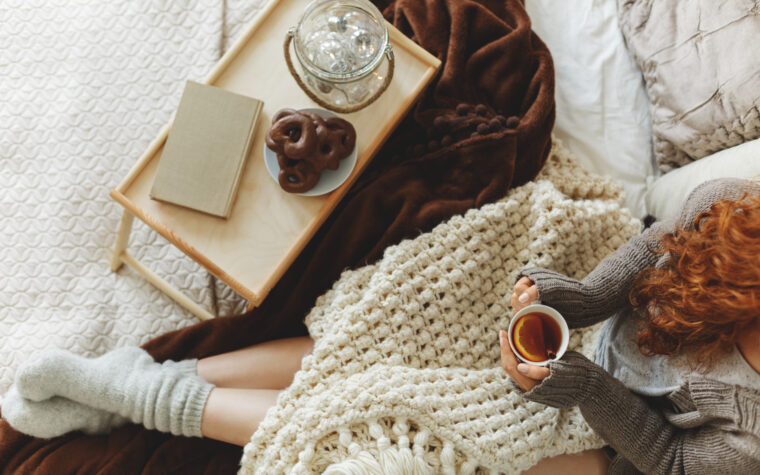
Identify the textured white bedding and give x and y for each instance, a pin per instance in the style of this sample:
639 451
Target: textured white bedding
84 87
602 106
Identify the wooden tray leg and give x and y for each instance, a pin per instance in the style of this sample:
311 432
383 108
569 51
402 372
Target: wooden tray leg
120 256
166 287
125 229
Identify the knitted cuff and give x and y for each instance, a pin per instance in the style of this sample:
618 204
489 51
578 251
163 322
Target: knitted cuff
682 398
724 402
188 367
555 289
750 415
188 416
572 379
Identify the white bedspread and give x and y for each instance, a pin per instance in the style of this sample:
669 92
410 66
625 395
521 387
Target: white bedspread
84 87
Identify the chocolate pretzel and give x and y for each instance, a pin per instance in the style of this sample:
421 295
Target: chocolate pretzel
299 137
298 178
337 139
283 113
346 134
294 135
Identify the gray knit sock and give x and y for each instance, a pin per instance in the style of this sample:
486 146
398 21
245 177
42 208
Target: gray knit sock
58 415
55 416
188 367
126 381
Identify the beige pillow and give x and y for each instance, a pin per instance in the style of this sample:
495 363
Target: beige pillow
701 66
666 195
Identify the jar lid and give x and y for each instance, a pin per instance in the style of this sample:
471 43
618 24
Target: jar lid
340 40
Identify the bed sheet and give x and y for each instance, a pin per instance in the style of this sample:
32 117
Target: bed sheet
602 106
85 86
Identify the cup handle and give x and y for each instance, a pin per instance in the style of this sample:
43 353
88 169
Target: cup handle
342 110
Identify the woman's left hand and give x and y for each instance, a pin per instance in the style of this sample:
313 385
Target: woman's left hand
527 376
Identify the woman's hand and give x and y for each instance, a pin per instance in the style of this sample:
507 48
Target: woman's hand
525 375
525 292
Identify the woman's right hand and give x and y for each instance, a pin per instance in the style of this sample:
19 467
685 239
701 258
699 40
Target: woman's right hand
524 294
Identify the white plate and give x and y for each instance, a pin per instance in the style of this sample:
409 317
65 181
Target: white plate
330 179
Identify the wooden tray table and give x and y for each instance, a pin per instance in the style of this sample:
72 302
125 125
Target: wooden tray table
268 227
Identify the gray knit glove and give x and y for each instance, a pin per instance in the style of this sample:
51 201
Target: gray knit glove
555 289
572 381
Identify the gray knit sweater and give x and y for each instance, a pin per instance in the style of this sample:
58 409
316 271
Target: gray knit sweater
704 427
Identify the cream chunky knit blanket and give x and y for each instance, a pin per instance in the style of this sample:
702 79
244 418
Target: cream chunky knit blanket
405 376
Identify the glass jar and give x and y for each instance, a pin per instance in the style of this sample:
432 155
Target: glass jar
340 46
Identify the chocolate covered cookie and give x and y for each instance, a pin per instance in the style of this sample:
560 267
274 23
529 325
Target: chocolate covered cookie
306 144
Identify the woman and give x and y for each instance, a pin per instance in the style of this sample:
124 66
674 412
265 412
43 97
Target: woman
225 397
676 383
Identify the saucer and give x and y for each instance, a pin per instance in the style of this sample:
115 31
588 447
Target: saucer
329 179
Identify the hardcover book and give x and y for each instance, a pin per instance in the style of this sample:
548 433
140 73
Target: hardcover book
206 150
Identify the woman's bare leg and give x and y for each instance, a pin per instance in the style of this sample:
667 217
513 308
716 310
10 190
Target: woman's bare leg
268 365
588 462
248 382
232 415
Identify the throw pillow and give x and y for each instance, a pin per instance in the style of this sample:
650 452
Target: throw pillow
700 65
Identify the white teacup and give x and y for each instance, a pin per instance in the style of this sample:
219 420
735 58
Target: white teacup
550 312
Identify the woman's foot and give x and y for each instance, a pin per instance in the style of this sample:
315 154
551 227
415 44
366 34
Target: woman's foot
55 416
126 381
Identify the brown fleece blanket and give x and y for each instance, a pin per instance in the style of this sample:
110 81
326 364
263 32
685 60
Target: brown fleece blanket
482 127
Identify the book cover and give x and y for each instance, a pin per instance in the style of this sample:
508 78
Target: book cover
206 149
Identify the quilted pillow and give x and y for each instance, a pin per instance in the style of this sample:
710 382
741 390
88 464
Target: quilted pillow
701 67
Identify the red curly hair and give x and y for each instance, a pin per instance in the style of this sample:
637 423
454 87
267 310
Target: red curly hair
709 292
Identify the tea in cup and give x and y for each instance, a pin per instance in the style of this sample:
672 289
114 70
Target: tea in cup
538 334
